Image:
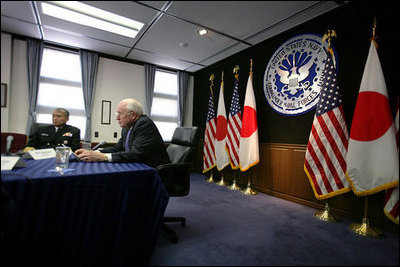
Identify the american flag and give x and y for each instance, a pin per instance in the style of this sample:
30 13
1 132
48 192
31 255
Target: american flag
325 161
209 138
234 127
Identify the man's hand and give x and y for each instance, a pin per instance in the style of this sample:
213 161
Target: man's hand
90 156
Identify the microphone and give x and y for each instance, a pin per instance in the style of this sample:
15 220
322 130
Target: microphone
102 143
10 138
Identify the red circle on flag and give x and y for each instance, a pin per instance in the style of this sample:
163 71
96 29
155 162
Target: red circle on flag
221 128
249 121
372 117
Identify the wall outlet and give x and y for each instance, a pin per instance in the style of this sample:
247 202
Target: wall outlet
115 134
96 134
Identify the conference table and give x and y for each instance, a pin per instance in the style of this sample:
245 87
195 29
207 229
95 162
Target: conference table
95 214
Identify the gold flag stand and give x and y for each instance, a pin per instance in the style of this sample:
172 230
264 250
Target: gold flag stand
364 229
233 186
248 190
325 215
222 182
211 179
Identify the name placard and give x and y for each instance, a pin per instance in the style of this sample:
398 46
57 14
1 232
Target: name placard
45 153
8 162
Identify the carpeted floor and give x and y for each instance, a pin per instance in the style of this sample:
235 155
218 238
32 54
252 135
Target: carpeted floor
226 227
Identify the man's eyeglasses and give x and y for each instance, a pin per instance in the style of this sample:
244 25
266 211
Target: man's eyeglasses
117 114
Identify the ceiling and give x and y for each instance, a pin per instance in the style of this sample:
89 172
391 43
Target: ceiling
169 37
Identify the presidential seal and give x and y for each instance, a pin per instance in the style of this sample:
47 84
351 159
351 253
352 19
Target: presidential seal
293 74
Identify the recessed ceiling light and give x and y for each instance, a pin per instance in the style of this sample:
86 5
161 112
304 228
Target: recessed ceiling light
202 32
90 16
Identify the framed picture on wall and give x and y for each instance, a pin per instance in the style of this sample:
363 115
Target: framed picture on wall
105 112
3 95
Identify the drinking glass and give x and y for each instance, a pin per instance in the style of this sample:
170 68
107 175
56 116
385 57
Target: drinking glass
62 158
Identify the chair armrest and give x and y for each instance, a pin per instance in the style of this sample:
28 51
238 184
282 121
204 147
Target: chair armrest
172 166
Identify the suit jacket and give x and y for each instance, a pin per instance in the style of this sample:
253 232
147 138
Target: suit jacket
145 145
47 137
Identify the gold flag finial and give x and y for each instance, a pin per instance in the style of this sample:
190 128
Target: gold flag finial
251 67
212 78
222 77
374 37
328 36
236 71
212 82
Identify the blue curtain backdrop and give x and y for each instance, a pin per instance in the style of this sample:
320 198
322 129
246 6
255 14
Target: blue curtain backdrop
183 80
34 55
150 74
89 64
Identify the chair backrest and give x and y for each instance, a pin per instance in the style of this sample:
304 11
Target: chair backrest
183 143
19 142
35 126
176 178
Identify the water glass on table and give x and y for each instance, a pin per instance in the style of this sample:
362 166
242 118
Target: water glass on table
62 158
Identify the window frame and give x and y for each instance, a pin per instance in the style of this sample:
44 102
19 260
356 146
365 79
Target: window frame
48 110
164 118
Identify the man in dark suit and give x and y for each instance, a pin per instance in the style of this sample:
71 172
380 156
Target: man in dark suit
140 139
58 134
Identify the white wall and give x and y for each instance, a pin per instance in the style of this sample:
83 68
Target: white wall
19 96
5 76
116 80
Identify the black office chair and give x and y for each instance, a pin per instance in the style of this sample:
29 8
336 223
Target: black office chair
176 175
35 126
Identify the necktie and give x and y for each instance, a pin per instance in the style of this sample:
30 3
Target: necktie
127 140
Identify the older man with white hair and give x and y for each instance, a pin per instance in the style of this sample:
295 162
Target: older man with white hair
140 139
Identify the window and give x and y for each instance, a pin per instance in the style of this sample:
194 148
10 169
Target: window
164 110
60 86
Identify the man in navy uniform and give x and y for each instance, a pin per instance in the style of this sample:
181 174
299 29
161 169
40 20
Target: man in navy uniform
58 134
140 139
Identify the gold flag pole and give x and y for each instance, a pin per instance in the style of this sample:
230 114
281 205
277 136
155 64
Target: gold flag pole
212 77
325 215
248 190
364 229
222 182
234 186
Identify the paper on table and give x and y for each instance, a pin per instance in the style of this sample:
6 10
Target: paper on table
8 162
